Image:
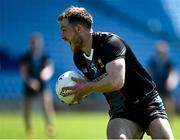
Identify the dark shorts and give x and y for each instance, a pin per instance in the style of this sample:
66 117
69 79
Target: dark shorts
32 94
144 112
28 92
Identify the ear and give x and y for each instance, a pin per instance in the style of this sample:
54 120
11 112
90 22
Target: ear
78 28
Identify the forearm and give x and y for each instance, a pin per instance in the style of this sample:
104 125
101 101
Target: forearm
47 72
103 84
113 80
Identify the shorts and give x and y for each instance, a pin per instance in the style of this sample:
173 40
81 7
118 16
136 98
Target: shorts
32 94
144 112
29 92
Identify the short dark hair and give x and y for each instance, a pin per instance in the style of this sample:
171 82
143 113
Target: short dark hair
77 15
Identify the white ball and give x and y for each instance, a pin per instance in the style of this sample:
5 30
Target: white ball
63 81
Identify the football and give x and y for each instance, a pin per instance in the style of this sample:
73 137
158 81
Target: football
63 81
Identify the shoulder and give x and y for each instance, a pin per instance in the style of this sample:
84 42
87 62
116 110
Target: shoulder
25 57
99 38
115 43
103 38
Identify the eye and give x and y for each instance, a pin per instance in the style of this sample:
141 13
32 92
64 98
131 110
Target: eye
63 30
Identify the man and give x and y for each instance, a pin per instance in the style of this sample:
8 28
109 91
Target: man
112 69
163 73
36 69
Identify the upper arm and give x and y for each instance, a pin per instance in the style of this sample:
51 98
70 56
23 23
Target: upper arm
116 72
114 59
113 49
24 67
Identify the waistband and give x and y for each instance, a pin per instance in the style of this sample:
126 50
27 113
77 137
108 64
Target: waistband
144 97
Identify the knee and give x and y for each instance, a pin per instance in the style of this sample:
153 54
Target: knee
120 136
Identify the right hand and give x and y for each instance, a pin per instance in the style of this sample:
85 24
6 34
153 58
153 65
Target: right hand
34 84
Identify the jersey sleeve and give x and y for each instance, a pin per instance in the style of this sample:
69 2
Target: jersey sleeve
113 49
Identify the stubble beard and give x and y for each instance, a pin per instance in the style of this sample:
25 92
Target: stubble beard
78 44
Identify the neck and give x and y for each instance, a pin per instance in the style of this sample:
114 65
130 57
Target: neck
87 44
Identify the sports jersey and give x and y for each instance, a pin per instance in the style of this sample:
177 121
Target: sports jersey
107 47
34 67
160 72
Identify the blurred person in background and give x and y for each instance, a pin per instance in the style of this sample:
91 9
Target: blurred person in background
36 69
111 68
164 74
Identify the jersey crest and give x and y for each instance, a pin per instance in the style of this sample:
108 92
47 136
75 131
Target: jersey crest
100 63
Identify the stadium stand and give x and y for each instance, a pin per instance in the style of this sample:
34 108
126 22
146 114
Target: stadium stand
140 23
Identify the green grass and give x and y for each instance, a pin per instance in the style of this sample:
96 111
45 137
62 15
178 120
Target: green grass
68 125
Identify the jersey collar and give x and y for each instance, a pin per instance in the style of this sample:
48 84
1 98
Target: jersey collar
90 56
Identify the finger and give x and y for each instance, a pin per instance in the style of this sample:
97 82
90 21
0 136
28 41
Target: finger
66 91
69 93
77 99
77 80
68 88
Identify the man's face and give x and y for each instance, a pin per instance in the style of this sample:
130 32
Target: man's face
70 35
36 44
161 52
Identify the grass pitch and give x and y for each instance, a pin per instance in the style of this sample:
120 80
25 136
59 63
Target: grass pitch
68 125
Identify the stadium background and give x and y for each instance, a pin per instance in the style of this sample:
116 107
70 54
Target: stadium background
141 23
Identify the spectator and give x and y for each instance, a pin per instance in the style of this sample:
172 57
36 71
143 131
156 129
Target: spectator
36 69
164 75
